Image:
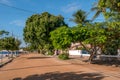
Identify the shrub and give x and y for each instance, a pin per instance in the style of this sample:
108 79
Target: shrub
50 53
63 56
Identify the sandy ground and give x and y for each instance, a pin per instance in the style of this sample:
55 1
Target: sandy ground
38 67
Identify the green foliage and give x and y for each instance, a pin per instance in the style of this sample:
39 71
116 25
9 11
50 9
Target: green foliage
113 5
96 34
113 38
50 53
93 34
9 43
2 32
111 11
63 56
80 33
61 37
80 17
109 8
38 28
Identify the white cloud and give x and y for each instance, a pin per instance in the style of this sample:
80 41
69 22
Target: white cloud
5 2
71 7
18 23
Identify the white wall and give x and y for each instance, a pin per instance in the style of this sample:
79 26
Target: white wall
118 51
78 53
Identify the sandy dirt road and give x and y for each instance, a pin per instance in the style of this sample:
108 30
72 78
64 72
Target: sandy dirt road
38 67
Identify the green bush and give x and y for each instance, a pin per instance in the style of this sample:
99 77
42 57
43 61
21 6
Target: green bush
63 56
50 53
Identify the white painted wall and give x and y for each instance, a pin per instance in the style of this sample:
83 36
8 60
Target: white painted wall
78 53
119 52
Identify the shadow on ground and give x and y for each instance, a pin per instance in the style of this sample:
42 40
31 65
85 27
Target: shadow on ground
64 76
34 67
116 63
107 62
38 57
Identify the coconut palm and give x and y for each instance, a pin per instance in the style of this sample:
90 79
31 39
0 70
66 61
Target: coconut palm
105 6
80 17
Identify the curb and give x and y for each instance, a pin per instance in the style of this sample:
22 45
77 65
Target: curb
4 63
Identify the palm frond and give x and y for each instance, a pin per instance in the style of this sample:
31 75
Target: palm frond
96 15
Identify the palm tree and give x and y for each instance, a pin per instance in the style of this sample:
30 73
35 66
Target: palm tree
105 6
80 17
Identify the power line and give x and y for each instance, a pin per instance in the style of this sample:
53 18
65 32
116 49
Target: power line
20 9
29 11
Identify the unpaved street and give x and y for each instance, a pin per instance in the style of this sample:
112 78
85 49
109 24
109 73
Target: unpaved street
38 67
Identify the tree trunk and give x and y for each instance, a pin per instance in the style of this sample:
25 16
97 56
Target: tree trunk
85 47
91 57
93 53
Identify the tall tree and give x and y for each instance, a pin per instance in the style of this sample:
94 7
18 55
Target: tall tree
38 28
92 34
111 11
80 17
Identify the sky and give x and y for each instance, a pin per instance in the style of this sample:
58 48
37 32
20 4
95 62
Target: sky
14 13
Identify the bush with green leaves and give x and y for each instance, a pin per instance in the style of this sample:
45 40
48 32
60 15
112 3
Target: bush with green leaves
63 56
50 53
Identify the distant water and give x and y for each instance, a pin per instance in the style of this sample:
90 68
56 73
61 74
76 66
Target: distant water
3 54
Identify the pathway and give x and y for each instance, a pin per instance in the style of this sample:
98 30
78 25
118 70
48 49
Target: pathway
38 67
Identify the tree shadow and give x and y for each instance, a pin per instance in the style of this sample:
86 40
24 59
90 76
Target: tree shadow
38 57
33 67
107 63
64 76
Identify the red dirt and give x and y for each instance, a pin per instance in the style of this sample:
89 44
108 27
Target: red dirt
38 67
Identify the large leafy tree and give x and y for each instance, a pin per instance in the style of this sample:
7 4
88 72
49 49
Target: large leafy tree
98 35
111 11
92 34
38 27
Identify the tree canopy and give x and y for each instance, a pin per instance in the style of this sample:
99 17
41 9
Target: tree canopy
61 37
109 8
38 28
8 42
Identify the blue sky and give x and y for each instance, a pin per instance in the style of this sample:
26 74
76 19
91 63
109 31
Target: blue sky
13 20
